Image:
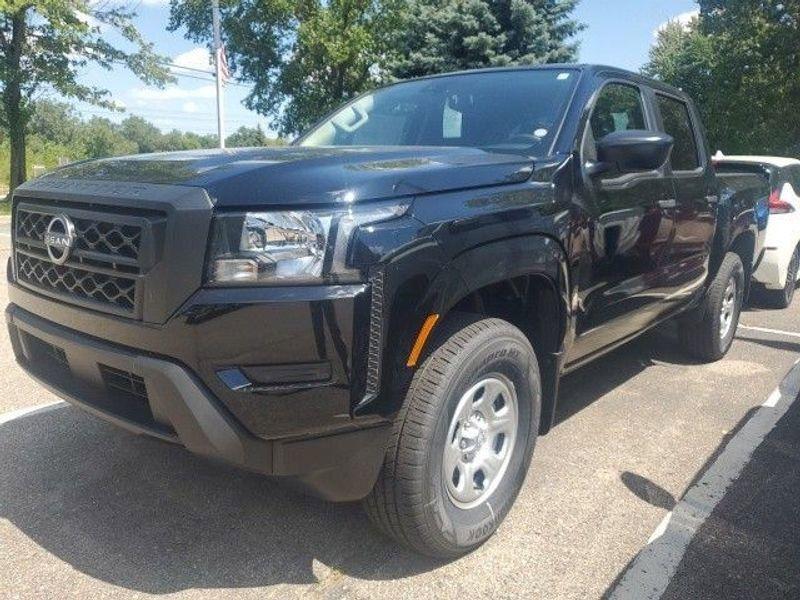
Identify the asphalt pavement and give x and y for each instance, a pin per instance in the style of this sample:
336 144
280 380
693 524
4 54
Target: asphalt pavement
87 510
749 548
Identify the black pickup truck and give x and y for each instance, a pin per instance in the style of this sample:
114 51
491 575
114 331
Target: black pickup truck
383 310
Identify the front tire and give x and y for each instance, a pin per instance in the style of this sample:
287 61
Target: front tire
463 441
709 332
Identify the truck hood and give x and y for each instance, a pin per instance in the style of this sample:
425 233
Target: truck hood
296 175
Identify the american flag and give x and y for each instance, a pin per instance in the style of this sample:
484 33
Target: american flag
222 61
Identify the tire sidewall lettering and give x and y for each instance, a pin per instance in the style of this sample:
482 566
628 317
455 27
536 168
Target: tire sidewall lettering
467 528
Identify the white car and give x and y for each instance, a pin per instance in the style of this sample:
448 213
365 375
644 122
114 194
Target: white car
779 269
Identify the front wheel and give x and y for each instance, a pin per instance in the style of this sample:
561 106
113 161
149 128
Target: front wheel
709 332
463 441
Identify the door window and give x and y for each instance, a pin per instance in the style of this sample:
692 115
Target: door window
619 108
678 124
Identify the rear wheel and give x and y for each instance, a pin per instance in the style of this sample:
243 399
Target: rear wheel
462 442
708 333
783 298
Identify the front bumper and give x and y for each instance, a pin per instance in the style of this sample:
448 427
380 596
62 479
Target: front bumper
157 383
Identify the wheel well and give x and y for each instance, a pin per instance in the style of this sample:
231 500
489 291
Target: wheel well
533 305
529 303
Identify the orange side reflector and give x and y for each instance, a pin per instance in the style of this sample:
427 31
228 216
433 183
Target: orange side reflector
422 337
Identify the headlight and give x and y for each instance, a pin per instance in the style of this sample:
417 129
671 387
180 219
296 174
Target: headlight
289 247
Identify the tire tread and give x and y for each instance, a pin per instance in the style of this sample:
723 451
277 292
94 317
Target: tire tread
699 336
395 504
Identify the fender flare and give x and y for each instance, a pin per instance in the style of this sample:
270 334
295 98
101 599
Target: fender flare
481 266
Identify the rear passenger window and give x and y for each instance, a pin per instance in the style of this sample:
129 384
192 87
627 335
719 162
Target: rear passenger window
619 108
678 124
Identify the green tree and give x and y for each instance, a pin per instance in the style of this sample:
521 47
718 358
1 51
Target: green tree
45 43
194 141
336 55
334 50
102 138
448 35
146 136
177 140
246 137
739 60
56 122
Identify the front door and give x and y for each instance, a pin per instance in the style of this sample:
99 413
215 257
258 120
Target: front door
621 278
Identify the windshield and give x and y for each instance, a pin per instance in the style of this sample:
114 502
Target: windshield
500 110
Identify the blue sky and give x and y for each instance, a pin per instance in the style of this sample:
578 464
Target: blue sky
619 33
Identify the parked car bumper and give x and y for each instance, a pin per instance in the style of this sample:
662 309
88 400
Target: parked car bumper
783 236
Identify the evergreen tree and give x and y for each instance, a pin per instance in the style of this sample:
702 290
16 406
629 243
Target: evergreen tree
448 35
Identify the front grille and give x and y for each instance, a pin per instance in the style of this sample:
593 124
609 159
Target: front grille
113 251
124 382
110 239
98 287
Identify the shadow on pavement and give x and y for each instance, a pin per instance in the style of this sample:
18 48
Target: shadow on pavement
776 344
749 547
648 491
593 381
152 518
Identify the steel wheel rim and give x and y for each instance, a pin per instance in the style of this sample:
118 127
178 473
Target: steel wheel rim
728 311
480 441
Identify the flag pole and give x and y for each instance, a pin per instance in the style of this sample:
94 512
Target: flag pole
218 63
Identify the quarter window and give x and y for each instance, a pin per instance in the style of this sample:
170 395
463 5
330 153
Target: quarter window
678 124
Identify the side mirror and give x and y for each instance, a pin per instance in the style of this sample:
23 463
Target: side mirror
633 150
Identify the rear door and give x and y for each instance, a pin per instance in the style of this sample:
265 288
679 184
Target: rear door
694 199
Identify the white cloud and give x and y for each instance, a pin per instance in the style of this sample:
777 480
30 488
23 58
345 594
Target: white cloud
683 18
173 92
196 58
191 107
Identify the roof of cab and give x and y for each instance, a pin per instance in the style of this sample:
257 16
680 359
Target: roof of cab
776 161
595 69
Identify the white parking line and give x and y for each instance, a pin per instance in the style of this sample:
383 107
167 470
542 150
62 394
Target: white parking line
773 331
31 410
656 564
